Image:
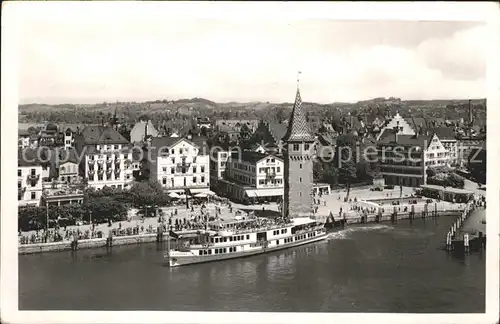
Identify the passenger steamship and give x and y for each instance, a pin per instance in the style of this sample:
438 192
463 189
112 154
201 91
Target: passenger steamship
243 238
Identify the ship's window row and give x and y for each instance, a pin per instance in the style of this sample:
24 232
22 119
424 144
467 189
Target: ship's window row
289 239
283 231
231 238
205 252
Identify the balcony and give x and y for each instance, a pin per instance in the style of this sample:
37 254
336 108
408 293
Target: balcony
100 162
91 162
270 175
33 178
92 171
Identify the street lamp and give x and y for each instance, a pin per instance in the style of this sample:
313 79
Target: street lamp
47 207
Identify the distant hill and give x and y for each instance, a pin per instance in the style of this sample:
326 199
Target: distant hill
189 108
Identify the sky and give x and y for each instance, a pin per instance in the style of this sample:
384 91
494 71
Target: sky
78 56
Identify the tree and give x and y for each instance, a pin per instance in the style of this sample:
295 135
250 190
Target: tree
149 193
347 173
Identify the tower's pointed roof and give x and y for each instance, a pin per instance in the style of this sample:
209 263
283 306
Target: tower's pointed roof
298 128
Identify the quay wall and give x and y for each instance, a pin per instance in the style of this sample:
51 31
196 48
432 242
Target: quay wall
148 238
86 244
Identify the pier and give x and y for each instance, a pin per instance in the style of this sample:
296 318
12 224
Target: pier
468 232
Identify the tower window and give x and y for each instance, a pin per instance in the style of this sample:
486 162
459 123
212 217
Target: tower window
295 147
300 166
300 179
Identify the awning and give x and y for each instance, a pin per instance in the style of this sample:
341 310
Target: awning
204 190
265 192
250 193
173 195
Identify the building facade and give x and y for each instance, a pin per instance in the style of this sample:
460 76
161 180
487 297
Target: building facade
404 159
298 164
178 164
107 157
29 178
253 176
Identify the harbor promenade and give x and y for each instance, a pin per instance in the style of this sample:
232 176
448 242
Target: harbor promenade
134 231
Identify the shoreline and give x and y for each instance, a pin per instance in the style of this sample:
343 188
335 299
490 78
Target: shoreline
152 237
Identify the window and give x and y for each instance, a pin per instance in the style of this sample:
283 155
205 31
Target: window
99 177
194 169
194 179
300 166
19 173
202 179
262 181
183 170
300 179
33 172
248 236
180 151
306 147
172 170
202 169
164 169
164 181
19 185
277 242
300 194
33 195
125 156
19 196
278 169
295 147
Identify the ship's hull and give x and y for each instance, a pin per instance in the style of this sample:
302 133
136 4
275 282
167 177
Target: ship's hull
185 260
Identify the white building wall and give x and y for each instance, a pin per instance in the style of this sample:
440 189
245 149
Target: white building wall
29 192
111 166
183 167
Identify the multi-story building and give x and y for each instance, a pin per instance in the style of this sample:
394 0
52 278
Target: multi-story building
218 161
448 138
29 178
179 163
404 159
251 176
107 158
69 140
467 146
65 167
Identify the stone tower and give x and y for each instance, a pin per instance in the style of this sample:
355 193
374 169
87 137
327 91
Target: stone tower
298 152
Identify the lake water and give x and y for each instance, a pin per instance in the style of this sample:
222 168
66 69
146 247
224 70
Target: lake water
370 268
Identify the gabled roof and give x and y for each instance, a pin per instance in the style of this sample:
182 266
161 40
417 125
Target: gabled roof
278 131
102 135
298 128
405 140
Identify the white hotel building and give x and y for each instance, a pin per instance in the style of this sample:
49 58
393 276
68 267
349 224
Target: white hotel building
251 176
107 157
29 178
180 163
